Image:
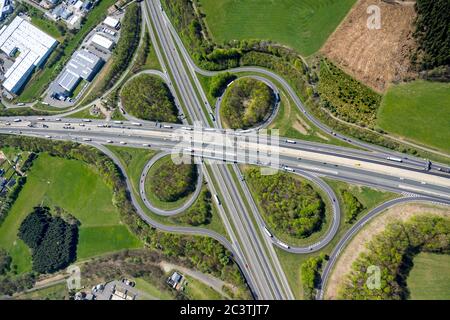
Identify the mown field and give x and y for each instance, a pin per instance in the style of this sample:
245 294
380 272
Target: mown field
429 279
418 111
301 24
73 186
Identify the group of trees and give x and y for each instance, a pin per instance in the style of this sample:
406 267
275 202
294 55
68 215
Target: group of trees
52 240
11 197
433 33
393 251
148 97
142 54
291 206
310 275
10 284
346 98
219 83
200 213
5 262
246 103
204 253
171 182
352 205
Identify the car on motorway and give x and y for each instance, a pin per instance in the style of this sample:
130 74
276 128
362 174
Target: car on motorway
284 245
268 232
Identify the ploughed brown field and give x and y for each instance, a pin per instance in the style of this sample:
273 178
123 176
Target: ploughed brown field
375 57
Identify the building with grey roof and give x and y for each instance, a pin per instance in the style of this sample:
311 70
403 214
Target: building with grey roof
82 65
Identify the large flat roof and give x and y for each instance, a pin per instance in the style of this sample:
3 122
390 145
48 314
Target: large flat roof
83 64
102 41
33 45
111 22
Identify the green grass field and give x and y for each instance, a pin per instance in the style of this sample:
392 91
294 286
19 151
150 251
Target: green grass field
429 279
418 111
301 24
73 186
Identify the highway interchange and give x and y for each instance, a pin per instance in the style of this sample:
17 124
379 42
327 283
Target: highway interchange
252 249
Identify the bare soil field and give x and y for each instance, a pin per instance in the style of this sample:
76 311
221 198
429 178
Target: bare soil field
375 57
357 245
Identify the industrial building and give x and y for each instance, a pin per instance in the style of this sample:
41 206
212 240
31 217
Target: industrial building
82 65
111 22
30 47
102 42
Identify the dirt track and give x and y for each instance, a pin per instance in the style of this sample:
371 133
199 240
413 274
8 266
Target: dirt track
375 57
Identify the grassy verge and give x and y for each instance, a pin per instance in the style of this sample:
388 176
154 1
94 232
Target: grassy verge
197 290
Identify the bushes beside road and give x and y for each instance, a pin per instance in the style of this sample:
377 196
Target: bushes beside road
346 98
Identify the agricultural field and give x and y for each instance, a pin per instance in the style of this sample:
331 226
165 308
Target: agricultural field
86 197
418 111
376 57
303 25
429 278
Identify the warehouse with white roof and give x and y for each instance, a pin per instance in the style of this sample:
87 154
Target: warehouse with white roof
33 47
82 65
111 22
102 42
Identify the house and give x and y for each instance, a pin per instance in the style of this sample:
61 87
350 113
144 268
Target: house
174 280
